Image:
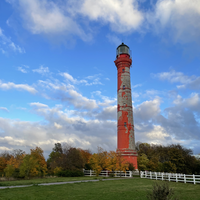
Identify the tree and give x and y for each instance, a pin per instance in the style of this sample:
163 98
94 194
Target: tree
98 161
111 161
72 159
9 170
169 167
37 154
121 165
142 162
29 166
86 154
3 164
67 158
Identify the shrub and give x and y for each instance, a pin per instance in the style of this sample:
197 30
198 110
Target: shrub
161 191
111 174
70 173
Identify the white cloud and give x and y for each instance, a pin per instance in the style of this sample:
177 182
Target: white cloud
10 85
179 17
80 101
93 80
42 70
73 80
23 69
147 110
5 149
4 109
6 44
37 104
137 85
48 17
191 82
122 16
193 102
58 126
67 94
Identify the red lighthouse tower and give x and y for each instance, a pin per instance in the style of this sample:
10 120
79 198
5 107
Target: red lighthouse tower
125 126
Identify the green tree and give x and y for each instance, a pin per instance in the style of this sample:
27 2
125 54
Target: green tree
169 167
143 162
28 167
9 170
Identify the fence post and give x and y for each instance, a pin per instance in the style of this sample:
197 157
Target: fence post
169 177
106 173
150 175
145 174
184 179
162 176
156 175
130 173
176 178
90 172
194 179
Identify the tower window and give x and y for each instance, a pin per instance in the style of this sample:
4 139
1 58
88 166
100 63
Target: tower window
124 124
124 87
122 70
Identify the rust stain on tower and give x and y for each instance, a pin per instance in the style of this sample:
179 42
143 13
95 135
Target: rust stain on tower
125 126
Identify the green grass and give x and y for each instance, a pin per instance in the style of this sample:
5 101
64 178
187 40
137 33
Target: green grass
45 180
126 189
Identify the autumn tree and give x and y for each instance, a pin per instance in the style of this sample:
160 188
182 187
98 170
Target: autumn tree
29 166
3 164
122 164
33 164
4 158
86 154
98 160
111 162
41 167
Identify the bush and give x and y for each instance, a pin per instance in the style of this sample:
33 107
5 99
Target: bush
161 191
70 173
111 174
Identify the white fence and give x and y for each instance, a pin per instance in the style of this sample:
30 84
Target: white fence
107 173
171 177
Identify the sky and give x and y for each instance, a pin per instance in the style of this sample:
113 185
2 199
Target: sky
58 80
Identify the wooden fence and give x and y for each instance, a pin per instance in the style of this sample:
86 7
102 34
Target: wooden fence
185 178
107 173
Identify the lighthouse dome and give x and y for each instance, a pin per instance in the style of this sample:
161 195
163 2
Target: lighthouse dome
123 49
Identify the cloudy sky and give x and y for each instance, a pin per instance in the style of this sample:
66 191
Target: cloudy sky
58 81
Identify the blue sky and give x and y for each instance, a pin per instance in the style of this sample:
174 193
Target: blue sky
58 81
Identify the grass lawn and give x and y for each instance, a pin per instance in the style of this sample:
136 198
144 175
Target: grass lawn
125 189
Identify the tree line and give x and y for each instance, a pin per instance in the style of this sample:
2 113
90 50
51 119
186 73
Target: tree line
65 160
173 158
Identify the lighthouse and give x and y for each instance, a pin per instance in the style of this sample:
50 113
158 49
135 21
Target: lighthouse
125 126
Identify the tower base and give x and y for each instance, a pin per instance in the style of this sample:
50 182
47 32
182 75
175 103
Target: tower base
129 156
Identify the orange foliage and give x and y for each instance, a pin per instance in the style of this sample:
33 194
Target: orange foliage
85 155
16 162
41 166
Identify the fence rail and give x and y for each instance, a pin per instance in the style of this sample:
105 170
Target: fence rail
107 173
185 178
